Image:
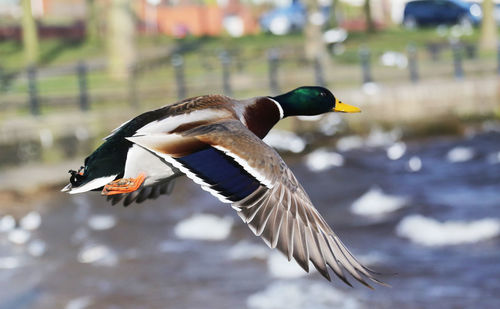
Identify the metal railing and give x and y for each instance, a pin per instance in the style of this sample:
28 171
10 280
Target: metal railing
176 75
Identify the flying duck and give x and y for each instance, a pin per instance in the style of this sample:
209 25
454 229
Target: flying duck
216 141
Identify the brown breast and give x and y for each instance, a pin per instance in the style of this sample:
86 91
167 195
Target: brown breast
261 116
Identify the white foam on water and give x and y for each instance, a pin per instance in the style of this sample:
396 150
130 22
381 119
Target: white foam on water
375 203
80 303
7 223
285 141
349 143
19 236
10 262
430 232
460 154
101 222
204 227
330 124
396 151
414 164
322 159
302 295
245 250
37 248
376 138
31 221
380 138
279 267
100 255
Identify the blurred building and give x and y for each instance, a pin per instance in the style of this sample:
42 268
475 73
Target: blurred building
189 17
67 9
180 18
10 8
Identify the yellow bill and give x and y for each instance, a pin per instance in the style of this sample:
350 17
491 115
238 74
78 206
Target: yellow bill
345 108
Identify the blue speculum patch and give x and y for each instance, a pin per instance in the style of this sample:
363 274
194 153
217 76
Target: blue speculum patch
221 172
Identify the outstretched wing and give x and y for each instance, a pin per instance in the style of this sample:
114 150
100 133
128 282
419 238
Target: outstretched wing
265 193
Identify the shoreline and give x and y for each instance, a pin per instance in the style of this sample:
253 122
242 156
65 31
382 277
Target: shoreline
27 183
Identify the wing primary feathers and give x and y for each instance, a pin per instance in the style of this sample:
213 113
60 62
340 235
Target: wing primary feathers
350 258
363 269
291 235
330 259
350 268
300 252
315 253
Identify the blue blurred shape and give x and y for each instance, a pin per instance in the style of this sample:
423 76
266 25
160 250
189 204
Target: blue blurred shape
283 20
437 12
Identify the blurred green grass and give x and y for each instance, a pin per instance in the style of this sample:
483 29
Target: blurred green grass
58 52
156 85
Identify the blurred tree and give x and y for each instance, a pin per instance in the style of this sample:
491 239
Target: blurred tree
315 47
386 11
488 41
30 34
334 20
370 25
93 22
120 38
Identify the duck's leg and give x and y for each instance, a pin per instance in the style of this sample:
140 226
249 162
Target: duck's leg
124 185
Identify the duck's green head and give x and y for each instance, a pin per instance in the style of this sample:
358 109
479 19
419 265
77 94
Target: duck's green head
310 100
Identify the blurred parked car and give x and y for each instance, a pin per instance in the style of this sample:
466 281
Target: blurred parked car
283 20
437 12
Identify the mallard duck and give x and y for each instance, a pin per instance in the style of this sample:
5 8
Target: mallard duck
217 142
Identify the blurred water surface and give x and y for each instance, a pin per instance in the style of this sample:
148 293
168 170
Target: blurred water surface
433 236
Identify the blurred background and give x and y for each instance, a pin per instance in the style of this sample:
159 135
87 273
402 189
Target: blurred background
412 184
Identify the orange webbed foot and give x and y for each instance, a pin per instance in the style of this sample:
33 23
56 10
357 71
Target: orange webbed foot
123 185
